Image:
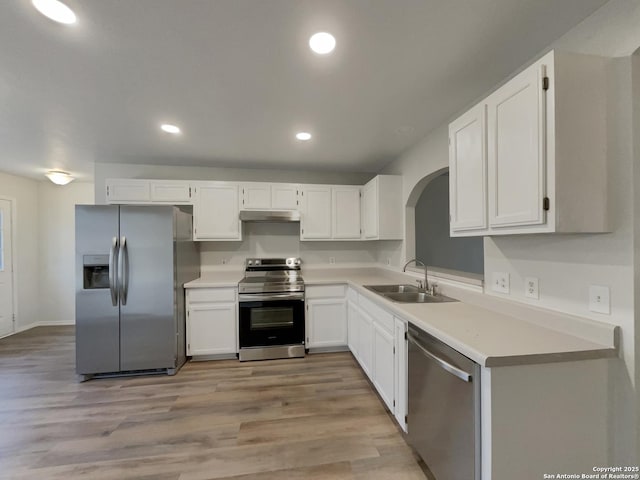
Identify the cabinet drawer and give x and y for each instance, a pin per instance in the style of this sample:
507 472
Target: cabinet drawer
211 295
326 291
380 316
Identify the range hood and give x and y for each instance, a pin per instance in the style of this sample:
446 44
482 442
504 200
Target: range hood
269 215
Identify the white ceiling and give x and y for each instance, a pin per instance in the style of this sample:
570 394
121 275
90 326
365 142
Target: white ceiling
238 77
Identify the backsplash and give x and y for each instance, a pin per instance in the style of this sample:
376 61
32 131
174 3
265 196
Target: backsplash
281 240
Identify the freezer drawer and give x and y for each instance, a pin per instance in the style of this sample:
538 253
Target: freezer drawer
444 408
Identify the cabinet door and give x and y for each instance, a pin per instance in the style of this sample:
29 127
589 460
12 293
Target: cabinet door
216 212
211 329
383 364
256 196
370 209
468 171
326 323
365 342
284 196
316 215
352 327
400 385
346 212
127 191
516 151
170 192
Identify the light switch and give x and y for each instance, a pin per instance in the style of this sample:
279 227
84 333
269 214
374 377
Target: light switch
599 300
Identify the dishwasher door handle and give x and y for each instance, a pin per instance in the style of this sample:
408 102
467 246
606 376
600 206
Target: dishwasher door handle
461 374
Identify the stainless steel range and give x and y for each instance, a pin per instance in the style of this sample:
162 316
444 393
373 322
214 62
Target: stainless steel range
271 300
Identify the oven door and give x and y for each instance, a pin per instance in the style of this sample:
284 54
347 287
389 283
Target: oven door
271 319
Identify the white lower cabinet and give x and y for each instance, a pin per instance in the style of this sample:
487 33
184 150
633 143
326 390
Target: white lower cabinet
401 371
383 364
326 316
377 341
212 322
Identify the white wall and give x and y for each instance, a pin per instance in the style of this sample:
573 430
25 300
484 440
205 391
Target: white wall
282 239
25 194
56 208
120 170
567 264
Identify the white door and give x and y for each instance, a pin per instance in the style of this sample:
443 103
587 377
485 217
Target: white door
316 215
383 364
468 171
170 191
284 196
211 329
370 209
346 212
256 196
400 395
516 156
365 342
326 323
216 212
352 327
6 274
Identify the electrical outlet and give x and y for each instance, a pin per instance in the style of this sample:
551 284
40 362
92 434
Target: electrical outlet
500 282
531 287
332 260
599 299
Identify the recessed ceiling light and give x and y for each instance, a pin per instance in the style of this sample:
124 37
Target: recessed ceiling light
322 43
55 10
59 177
167 127
304 136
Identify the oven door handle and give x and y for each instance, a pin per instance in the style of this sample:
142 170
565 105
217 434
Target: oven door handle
261 297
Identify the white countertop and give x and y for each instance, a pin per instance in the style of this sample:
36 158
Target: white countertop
490 331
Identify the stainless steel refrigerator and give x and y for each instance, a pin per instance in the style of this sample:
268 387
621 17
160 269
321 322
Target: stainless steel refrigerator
131 265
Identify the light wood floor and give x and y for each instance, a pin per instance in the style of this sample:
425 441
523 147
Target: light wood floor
311 418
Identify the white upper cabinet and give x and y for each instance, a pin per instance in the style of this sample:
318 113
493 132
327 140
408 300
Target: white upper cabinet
270 196
256 196
315 222
284 196
216 211
546 158
346 212
174 192
382 208
516 155
468 171
134 191
127 191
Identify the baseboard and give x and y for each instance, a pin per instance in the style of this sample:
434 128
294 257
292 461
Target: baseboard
24 328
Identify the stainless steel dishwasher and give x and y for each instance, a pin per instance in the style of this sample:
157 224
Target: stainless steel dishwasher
444 408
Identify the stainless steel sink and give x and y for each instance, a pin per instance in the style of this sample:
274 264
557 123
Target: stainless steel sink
418 297
385 289
407 294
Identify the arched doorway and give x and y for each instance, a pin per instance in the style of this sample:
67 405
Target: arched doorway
428 212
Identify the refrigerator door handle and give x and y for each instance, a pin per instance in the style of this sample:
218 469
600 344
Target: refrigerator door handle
113 256
123 270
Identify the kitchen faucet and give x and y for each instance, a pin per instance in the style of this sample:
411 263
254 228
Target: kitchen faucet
426 282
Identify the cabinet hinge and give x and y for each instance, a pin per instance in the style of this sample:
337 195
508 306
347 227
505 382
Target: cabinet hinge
107 190
545 83
302 231
189 346
189 192
545 203
360 193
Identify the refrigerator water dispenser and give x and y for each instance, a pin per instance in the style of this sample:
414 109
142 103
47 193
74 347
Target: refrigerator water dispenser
95 269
